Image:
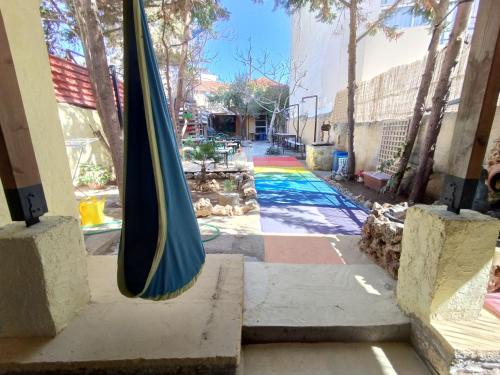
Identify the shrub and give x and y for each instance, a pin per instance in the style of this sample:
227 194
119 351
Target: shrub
229 186
94 175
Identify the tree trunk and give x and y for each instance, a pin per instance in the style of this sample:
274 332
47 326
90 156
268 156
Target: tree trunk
423 91
97 65
166 49
439 102
271 124
181 76
351 87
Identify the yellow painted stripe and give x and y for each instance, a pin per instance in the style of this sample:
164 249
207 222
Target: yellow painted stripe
279 170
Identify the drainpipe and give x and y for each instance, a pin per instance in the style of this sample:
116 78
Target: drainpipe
315 112
116 90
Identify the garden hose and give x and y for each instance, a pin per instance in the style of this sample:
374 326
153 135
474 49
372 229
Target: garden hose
213 236
102 225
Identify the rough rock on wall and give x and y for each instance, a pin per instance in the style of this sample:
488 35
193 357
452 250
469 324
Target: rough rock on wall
382 234
494 156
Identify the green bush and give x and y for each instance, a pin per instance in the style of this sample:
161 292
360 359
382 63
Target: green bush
229 186
202 155
91 174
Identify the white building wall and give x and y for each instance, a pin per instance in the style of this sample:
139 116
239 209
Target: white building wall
315 51
380 54
321 50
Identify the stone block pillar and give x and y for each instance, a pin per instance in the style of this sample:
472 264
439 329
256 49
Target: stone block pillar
320 156
43 277
445 262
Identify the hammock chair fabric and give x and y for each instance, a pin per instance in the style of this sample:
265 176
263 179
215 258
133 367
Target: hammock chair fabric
161 252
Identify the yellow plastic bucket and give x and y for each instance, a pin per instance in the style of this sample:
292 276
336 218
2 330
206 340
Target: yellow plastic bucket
92 211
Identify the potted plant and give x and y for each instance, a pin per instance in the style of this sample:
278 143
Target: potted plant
94 176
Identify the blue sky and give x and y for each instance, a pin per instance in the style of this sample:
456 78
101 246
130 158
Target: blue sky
268 29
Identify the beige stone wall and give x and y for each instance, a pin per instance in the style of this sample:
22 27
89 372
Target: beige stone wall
308 131
368 136
24 31
444 140
81 123
320 157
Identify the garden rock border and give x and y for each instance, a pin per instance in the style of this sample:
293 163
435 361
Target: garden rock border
228 205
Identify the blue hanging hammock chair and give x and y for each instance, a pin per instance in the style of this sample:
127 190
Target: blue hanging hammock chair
161 252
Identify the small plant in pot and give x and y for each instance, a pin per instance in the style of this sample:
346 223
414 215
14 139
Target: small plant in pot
94 176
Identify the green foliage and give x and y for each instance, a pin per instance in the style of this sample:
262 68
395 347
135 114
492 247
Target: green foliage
236 97
247 98
393 160
326 10
59 26
229 186
202 154
207 12
91 174
62 34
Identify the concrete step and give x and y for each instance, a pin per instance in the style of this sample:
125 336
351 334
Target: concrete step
321 303
331 358
198 332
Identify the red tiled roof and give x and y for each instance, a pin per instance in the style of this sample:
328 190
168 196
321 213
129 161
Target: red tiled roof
265 82
72 83
210 86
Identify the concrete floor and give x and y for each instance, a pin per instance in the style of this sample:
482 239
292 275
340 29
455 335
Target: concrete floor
314 249
200 330
286 303
238 235
332 358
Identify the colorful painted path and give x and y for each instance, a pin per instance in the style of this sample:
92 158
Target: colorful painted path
293 200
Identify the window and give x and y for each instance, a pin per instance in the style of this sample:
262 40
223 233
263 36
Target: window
400 18
404 17
451 18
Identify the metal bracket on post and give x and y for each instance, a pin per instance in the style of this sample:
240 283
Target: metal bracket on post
26 204
458 193
116 90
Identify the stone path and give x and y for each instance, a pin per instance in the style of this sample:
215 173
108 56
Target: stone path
299 213
294 200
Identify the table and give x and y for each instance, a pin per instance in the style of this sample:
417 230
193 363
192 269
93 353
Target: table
281 136
233 145
225 153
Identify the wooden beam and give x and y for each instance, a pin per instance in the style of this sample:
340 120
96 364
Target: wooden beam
478 104
18 167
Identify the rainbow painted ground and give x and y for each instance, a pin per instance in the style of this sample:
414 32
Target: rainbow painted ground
294 200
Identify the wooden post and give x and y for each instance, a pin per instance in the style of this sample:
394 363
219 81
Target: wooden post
18 167
476 111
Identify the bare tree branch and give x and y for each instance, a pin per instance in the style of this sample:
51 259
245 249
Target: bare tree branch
386 13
